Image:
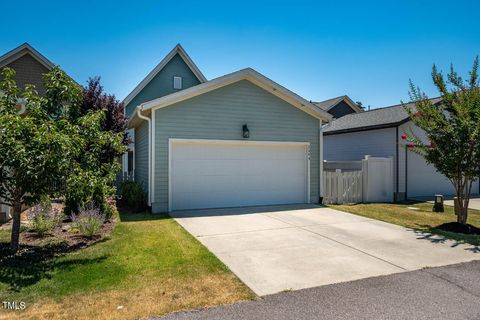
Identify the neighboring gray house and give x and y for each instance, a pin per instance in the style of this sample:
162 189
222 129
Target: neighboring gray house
339 106
30 66
237 140
378 133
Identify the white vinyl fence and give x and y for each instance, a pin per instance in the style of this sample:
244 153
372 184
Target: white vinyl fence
343 187
370 182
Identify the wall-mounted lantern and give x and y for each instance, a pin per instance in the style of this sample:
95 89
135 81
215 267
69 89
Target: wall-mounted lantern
246 132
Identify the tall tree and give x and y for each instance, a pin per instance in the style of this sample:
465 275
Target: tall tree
95 99
36 146
453 130
103 135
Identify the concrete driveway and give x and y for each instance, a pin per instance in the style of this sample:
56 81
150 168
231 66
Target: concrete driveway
278 248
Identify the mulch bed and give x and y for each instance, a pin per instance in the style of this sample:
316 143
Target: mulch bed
63 234
459 228
35 248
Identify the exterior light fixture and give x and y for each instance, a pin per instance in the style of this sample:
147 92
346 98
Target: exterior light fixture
246 132
438 203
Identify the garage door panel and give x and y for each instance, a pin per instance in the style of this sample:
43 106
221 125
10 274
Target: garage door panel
240 167
221 199
210 175
237 151
242 183
424 180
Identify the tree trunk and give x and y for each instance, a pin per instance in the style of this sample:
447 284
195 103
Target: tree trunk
17 210
462 213
462 200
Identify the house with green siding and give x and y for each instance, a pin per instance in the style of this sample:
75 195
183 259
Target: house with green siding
238 140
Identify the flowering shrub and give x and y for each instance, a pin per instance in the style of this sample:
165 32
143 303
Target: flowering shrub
44 218
89 220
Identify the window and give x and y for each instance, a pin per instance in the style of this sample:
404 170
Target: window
177 83
130 161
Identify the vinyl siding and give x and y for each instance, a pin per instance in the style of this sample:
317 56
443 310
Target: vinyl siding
220 114
354 146
422 178
29 71
141 154
162 83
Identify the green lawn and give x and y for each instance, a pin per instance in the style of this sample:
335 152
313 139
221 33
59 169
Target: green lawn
423 219
149 265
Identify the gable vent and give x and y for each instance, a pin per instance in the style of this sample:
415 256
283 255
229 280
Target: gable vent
177 83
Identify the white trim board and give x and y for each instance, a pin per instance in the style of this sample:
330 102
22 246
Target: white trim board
183 54
172 141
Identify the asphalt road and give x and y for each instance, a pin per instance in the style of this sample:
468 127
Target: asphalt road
450 292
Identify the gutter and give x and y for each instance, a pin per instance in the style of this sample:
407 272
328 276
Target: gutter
141 116
366 128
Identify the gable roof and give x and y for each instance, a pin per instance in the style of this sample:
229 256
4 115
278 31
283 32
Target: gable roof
244 74
330 103
177 50
386 117
22 50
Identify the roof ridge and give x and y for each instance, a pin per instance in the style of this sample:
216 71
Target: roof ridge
4 59
397 105
343 96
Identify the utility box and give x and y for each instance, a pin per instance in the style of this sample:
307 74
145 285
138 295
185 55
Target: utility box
438 203
5 213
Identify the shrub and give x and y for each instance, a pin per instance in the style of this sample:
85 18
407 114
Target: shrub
44 218
86 188
89 220
133 195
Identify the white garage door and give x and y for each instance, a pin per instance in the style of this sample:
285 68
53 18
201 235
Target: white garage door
424 180
215 174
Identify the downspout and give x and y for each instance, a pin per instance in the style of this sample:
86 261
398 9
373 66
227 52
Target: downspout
320 154
396 164
141 116
406 173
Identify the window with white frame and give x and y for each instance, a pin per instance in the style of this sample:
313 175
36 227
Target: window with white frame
177 83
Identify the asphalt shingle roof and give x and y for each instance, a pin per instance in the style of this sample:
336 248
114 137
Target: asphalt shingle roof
381 117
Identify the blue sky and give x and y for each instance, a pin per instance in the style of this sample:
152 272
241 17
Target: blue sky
318 49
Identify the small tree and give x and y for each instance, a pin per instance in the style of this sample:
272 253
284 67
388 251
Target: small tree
453 129
35 146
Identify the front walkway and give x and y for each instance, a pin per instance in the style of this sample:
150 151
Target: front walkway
278 248
473 204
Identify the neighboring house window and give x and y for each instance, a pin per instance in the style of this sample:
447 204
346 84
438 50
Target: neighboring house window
21 108
177 83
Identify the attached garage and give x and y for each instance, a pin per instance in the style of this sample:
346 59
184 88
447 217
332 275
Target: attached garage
238 140
231 173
